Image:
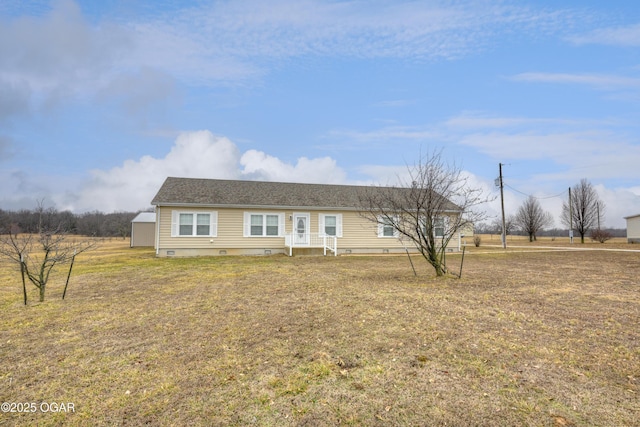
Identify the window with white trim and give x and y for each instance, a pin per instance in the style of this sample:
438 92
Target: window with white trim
330 224
386 228
194 224
438 227
258 224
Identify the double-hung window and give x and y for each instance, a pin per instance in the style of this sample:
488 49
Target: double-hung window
438 227
386 228
330 224
186 224
263 224
190 224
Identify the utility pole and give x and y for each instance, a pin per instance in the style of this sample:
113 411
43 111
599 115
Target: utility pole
570 217
504 229
598 209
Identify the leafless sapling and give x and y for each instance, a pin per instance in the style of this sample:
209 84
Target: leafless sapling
37 254
429 209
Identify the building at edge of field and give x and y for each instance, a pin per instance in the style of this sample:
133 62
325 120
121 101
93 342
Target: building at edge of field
143 230
196 217
633 228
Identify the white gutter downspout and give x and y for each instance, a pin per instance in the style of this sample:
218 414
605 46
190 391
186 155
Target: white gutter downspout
157 237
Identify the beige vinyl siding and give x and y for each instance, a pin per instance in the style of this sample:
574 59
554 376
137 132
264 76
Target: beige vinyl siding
229 232
180 242
358 234
361 234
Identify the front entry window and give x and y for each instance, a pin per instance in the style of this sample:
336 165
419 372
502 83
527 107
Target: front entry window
300 228
330 225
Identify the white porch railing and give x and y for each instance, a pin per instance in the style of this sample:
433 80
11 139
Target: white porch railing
311 240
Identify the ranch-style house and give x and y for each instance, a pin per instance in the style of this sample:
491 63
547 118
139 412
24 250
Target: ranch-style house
196 217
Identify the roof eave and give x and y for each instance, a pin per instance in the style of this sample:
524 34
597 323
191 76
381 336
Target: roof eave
247 206
274 207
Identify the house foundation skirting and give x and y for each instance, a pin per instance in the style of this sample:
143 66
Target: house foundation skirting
296 251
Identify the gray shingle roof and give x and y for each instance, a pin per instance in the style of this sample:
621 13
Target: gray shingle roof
218 192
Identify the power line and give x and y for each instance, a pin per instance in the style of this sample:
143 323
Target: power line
535 197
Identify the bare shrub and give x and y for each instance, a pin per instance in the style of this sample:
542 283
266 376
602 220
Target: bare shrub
600 236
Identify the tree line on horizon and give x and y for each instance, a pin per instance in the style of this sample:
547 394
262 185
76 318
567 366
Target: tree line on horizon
583 213
94 223
495 227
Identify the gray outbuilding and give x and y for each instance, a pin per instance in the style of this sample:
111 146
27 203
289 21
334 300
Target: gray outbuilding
143 229
633 228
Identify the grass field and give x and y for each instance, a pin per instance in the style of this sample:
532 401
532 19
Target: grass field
526 337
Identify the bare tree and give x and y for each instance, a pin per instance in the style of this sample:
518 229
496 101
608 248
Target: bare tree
37 254
585 210
531 218
429 210
509 225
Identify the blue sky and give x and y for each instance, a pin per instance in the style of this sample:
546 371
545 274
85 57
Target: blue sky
101 100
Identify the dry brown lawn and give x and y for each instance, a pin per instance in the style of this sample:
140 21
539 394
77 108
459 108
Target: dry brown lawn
558 241
524 338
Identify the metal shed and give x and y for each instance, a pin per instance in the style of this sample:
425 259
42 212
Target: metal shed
633 228
143 229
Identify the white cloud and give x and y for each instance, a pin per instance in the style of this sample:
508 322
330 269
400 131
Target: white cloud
384 175
229 42
600 81
561 147
599 149
132 185
186 55
58 54
61 55
619 203
477 120
14 99
197 154
261 166
616 36
388 134
141 97
283 28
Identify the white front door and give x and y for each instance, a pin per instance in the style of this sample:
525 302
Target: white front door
301 229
